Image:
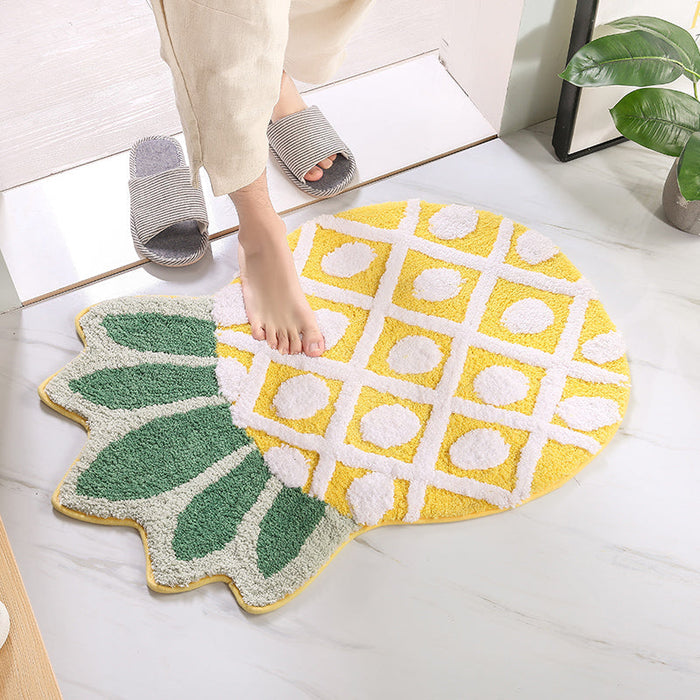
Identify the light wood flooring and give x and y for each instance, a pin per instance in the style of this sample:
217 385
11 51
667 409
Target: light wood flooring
81 81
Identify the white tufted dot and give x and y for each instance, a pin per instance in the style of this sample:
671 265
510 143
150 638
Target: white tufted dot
228 308
453 221
588 412
288 464
437 284
535 248
301 397
500 386
370 497
528 316
348 259
414 354
332 325
481 448
389 425
230 374
605 347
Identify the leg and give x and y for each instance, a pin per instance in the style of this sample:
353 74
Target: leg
290 101
226 59
319 31
275 303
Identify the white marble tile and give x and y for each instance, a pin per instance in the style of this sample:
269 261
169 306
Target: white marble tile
74 225
588 592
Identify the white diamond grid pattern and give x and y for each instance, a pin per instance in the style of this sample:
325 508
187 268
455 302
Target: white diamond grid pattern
422 472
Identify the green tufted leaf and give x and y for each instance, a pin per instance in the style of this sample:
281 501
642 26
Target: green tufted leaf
180 335
145 385
285 527
211 519
162 454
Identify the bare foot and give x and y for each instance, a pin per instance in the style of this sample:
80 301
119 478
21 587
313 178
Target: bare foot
275 303
289 102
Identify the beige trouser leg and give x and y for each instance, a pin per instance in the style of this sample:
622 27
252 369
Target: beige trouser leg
226 59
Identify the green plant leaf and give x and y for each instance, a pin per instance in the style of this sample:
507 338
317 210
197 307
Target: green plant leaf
681 40
658 118
689 168
633 58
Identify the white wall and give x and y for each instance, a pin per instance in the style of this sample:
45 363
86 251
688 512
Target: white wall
8 293
478 43
506 54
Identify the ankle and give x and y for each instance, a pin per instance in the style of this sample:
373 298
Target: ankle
252 201
260 229
289 99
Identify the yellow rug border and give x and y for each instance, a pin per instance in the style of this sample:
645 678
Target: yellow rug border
159 588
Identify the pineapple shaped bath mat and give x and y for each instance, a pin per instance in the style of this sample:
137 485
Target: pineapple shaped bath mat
469 368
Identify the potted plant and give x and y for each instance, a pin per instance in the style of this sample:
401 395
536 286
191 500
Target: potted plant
651 51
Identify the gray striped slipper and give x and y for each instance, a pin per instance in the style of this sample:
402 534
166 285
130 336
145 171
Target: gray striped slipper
169 221
303 139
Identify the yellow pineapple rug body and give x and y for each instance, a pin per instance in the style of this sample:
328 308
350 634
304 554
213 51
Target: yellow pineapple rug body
469 367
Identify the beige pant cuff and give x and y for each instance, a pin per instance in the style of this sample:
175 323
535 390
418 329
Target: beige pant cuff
225 182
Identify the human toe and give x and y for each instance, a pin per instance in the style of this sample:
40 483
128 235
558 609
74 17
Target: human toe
295 345
257 331
314 174
312 341
282 342
271 337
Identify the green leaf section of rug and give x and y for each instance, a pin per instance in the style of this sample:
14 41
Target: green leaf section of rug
469 368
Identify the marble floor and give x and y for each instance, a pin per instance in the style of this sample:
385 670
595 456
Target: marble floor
592 591
77 232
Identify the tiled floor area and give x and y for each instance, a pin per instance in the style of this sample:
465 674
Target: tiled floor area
588 592
61 230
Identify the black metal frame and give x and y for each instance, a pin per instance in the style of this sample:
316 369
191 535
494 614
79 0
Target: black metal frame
584 22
